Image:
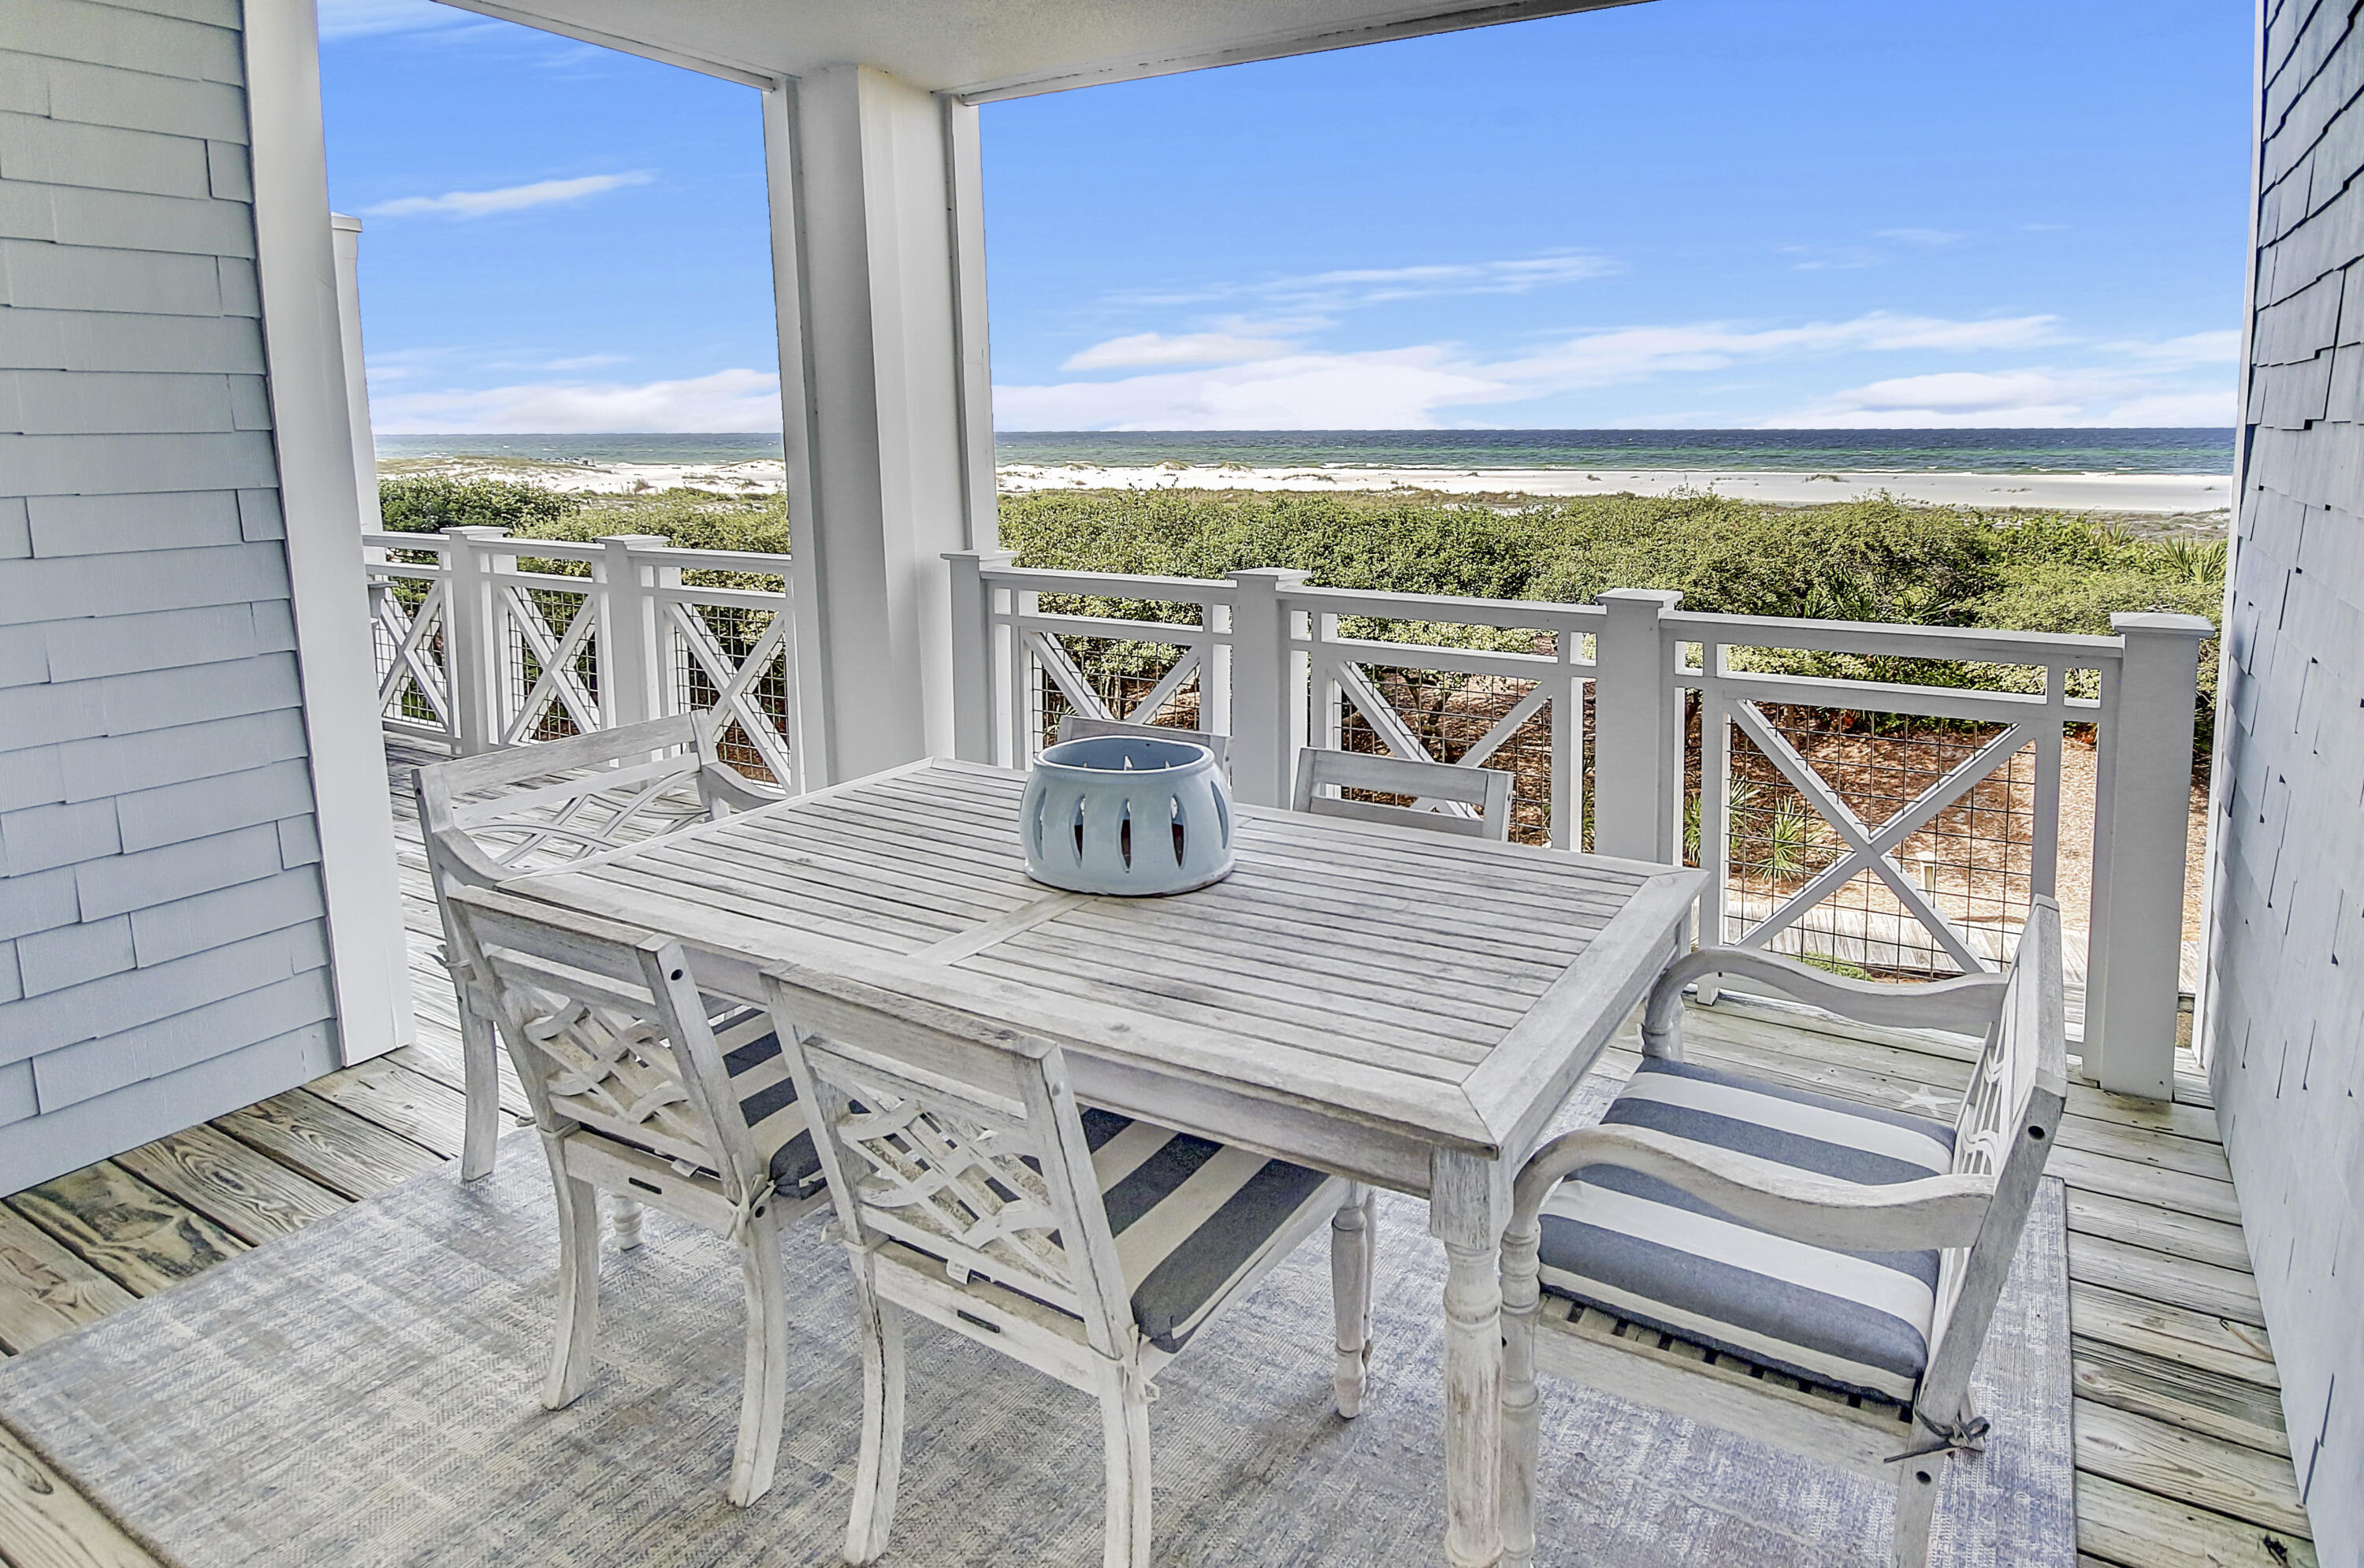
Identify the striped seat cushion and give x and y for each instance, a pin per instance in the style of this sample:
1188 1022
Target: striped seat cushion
1192 1218
767 1098
1642 1250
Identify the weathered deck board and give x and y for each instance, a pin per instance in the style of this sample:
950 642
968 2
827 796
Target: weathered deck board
429 1114
328 1143
239 1188
44 1289
2182 1460
124 1228
45 1523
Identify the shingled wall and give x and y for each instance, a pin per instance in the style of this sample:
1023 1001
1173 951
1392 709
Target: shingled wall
163 952
2288 1001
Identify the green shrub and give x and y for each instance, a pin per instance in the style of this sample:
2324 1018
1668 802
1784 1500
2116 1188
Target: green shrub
432 503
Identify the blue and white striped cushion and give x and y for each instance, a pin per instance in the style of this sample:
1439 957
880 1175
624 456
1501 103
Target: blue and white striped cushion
1642 1250
767 1098
1191 1216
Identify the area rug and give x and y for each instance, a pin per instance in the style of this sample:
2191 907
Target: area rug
363 1393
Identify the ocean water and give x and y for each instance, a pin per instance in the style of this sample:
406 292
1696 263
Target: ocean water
2086 450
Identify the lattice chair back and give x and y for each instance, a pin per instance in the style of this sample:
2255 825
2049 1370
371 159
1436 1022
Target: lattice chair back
608 1031
2004 1130
955 1137
530 808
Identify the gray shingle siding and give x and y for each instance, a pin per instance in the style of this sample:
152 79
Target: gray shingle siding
2288 1061
163 952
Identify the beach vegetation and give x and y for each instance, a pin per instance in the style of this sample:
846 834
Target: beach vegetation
1878 560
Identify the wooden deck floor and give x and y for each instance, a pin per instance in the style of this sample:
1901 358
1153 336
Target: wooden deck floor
2182 1457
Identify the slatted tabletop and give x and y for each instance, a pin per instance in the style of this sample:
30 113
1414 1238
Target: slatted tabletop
1450 988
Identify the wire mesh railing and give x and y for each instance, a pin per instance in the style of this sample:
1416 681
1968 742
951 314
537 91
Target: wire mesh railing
484 640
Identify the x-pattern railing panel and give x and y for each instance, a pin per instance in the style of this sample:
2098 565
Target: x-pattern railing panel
1870 848
409 663
555 649
735 680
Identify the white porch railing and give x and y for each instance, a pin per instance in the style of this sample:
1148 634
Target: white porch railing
1891 797
476 651
1633 727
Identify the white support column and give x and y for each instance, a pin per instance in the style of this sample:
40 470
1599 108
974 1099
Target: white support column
1635 768
980 729
2142 815
473 656
878 254
347 236
631 655
304 350
1267 687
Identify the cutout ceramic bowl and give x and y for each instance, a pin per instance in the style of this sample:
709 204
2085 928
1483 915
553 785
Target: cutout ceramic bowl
1126 815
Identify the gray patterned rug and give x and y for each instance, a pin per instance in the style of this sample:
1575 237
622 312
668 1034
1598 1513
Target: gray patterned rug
363 1393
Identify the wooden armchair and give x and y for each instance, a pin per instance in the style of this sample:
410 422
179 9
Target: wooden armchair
1830 1268
483 820
1076 727
641 1095
1322 776
974 1190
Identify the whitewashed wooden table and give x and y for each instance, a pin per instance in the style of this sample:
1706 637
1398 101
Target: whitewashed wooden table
1402 1008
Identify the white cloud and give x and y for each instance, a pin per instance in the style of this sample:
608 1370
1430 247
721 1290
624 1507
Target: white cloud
1629 353
509 198
1927 239
2221 349
726 400
357 19
1143 350
1431 385
1348 288
1406 388
1397 389
1831 258
2028 397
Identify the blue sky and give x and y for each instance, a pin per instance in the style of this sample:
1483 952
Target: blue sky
1689 213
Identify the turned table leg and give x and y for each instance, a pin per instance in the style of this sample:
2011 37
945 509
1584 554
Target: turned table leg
1466 1212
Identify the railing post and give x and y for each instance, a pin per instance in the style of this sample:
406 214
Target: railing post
980 732
2142 820
632 666
471 626
1636 773
1267 686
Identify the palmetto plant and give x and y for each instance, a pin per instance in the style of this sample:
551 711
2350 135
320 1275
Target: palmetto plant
1784 843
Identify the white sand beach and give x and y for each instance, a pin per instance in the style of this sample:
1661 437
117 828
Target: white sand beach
2164 493
2193 496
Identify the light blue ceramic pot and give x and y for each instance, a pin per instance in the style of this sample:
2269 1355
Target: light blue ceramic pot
1133 817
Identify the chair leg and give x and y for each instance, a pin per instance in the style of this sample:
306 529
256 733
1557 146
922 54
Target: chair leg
881 1463
762 1404
1354 1235
1916 1508
578 1284
1124 1440
1521 1297
627 1223
480 1071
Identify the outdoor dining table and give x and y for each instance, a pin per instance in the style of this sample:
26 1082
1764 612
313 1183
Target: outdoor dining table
1403 1008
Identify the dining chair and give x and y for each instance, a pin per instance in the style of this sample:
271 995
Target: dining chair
639 1095
1322 776
1076 727
483 820
1822 1274
974 1191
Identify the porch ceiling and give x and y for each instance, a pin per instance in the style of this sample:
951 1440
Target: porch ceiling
1000 49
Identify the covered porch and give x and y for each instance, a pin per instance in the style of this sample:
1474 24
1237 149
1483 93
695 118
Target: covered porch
2181 1457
